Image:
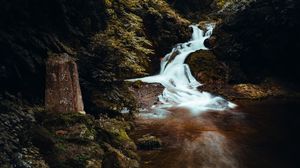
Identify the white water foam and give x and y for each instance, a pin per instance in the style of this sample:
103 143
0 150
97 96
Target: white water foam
180 85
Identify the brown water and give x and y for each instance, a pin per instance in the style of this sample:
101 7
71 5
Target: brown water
260 134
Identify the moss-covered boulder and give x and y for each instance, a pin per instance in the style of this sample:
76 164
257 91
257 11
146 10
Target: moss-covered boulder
206 68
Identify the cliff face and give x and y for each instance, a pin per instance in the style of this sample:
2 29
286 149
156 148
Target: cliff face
262 40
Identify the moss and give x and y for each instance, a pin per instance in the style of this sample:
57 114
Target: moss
206 68
125 39
112 101
114 132
250 91
231 6
68 154
77 138
221 3
122 135
63 120
78 133
79 160
115 158
137 84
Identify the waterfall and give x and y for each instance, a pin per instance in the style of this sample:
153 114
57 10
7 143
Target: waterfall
180 86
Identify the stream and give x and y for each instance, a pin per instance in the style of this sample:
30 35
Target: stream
180 87
202 130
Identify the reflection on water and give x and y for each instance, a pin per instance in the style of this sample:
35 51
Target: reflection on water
257 137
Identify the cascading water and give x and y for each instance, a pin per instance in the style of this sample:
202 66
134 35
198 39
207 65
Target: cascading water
180 85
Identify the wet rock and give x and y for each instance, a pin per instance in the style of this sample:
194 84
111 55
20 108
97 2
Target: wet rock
148 142
210 42
207 68
63 92
146 95
137 84
250 91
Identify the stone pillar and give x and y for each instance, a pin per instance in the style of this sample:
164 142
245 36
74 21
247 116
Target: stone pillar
63 92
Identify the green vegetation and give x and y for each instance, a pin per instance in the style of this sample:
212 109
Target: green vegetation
76 140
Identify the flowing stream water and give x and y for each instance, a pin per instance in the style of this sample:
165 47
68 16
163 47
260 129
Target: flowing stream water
181 105
180 85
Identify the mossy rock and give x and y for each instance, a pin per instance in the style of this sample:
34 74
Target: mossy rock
251 91
148 142
137 84
112 101
114 132
64 120
115 158
76 155
79 133
206 68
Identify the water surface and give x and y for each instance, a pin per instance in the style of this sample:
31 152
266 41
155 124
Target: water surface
261 134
